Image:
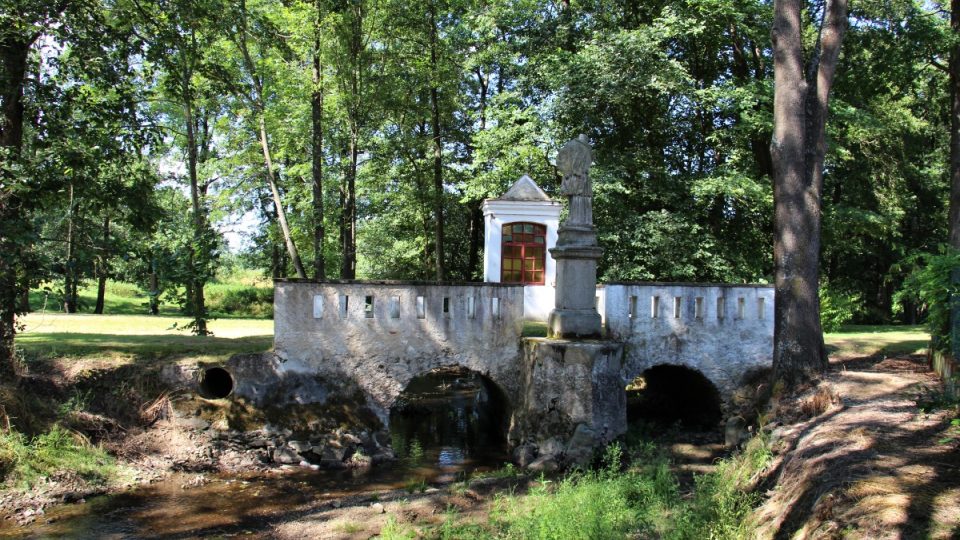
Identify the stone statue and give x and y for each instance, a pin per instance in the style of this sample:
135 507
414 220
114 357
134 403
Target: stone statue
575 314
574 161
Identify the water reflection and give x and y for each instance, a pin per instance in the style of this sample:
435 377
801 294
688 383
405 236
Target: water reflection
449 417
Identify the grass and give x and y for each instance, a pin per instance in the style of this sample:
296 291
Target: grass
862 340
243 299
120 343
26 462
643 501
534 329
133 337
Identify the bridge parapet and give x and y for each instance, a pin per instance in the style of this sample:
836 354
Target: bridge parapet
721 330
382 334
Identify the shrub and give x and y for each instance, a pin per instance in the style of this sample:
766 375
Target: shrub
240 300
58 450
930 284
837 307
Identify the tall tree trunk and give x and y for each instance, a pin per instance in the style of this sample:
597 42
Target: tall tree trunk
278 203
759 142
348 193
259 107
195 287
316 103
154 291
954 211
13 62
69 266
102 269
437 149
797 150
476 210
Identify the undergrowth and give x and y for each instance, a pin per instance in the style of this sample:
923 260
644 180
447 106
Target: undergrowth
24 461
642 501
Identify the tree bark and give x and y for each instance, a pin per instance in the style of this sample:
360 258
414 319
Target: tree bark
259 107
316 102
954 210
797 150
437 150
348 192
195 287
102 269
476 211
69 277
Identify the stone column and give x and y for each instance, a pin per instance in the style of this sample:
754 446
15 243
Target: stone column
575 313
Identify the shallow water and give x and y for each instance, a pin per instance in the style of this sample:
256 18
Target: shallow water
447 426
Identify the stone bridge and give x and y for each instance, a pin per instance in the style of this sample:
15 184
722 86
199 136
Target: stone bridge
376 337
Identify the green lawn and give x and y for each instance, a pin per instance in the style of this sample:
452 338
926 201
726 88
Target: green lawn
223 300
135 337
862 340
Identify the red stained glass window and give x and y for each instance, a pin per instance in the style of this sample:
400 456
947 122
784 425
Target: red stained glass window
523 253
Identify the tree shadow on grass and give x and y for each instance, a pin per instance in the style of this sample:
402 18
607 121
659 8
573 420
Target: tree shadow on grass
863 469
142 348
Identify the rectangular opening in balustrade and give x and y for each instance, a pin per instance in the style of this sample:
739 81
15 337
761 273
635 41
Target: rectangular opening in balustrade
698 307
343 305
394 307
471 307
632 307
676 306
761 308
721 306
654 307
495 307
446 306
317 306
741 308
368 307
421 309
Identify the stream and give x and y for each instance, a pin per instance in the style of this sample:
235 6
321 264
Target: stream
446 426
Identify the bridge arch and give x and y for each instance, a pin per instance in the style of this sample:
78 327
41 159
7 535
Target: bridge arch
455 413
669 393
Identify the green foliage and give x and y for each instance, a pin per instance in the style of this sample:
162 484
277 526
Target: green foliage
931 283
393 530
642 501
240 301
25 462
723 499
836 307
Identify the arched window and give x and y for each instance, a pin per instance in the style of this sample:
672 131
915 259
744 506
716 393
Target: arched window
524 252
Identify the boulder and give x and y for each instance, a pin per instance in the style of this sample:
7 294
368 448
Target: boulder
545 464
286 456
524 454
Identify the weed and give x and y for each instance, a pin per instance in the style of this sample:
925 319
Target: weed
78 401
642 501
415 452
416 485
57 451
349 527
396 531
819 402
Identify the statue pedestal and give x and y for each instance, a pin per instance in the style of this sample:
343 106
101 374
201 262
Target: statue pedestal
575 313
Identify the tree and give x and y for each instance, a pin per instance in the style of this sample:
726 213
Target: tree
798 147
954 210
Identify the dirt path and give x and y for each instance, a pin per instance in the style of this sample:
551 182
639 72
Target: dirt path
873 464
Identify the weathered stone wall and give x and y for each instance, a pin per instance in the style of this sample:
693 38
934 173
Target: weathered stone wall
380 335
687 326
573 400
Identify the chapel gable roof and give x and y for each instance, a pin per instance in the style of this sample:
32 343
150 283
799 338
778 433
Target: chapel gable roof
524 189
